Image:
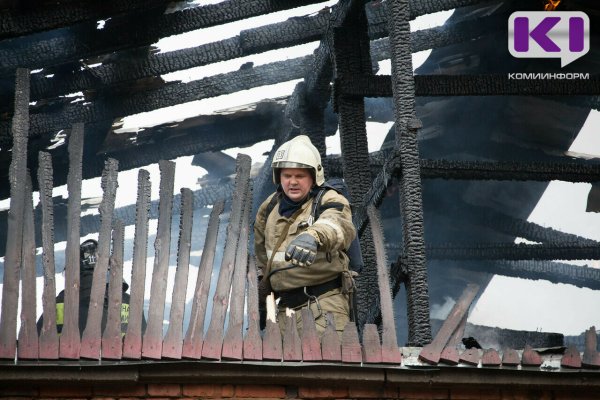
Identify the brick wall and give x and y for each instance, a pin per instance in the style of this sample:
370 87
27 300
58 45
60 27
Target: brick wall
159 391
277 380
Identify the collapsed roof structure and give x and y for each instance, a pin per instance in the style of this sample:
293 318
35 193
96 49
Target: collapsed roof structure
484 145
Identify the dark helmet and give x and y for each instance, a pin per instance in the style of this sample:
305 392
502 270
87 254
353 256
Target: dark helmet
88 254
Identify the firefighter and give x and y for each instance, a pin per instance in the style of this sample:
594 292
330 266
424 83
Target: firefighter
300 258
88 253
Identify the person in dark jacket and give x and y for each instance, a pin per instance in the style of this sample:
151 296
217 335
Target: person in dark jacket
88 253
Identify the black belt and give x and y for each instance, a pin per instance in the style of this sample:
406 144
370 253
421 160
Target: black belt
296 297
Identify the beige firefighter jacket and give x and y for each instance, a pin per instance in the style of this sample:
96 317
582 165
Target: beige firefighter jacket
333 229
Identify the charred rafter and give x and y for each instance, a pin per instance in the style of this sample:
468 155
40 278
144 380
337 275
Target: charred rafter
16 22
295 31
165 96
511 251
469 85
517 227
161 63
169 141
555 272
85 40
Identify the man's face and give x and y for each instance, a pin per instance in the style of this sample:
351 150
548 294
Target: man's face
296 182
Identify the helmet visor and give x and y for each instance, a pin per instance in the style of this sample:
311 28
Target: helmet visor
290 164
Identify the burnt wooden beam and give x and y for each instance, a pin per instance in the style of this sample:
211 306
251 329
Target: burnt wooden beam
15 23
14 242
511 251
514 171
48 337
294 31
208 87
559 168
261 121
517 227
552 271
569 171
275 36
351 55
165 96
411 199
128 31
28 337
471 85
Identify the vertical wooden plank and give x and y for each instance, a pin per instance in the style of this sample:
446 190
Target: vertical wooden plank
292 348
112 344
152 342
272 346
510 358
14 241
431 352
490 358
214 336
371 345
233 341
48 342
69 343
132 343
331 347
92 334
470 356
28 337
192 344
351 352
173 341
311 345
591 358
450 353
530 357
571 358
390 352
252 341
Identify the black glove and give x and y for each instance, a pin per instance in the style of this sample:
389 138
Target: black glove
302 250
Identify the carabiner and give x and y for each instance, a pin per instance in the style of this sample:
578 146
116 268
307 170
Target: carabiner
316 301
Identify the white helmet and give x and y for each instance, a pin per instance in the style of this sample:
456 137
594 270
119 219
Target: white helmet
298 152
